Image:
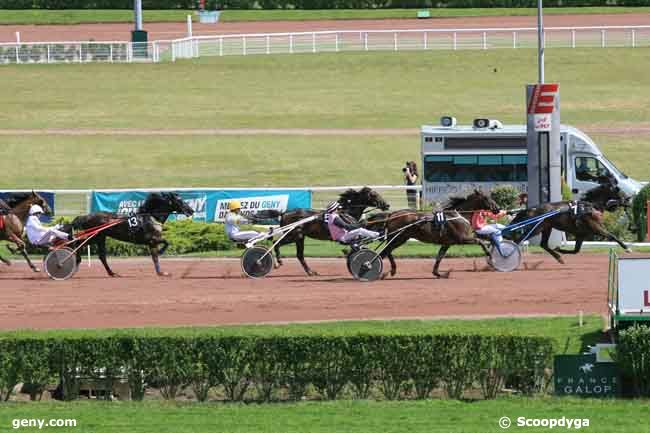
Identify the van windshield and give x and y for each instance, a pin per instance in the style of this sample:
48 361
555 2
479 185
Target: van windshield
476 168
615 168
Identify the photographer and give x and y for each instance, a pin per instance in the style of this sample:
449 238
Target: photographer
410 178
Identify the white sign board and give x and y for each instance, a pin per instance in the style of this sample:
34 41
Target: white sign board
252 205
543 122
634 285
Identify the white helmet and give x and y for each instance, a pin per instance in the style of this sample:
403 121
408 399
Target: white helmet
332 207
35 209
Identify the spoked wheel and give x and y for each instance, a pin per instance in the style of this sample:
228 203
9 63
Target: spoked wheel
257 262
60 264
365 265
509 260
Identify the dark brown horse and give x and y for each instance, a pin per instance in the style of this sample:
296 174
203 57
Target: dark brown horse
354 203
583 219
454 229
143 228
14 215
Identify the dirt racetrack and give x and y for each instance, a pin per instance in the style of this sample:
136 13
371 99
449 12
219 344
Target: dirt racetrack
212 291
165 31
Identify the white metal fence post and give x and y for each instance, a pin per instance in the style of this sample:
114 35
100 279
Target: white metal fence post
290 44
633 38
514 39
366 41
485 40
17 56
425 41
244 44
395 41
573 38
80 53
268 44
48 53
313 42
336 41
603 38
455 41
173 51
221 46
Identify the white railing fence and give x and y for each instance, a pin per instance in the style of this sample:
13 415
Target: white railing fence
404 40
319 42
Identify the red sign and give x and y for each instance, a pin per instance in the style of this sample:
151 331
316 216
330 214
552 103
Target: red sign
543 99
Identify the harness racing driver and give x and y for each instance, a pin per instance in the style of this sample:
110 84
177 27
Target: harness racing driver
40 235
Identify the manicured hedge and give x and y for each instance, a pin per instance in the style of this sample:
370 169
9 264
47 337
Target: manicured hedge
633 355
307 4
266 368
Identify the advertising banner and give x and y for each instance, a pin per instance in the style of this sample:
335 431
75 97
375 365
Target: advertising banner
48 196
208 205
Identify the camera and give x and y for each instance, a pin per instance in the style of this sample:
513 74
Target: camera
407 166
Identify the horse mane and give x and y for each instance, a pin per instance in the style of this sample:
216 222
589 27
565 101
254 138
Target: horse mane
150 202
15 198
453 202
347 196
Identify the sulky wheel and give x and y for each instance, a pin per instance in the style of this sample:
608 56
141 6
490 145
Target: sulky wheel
365 265
257 262
60 264
509 261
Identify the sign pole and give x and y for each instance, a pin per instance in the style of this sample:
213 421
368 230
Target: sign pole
540 42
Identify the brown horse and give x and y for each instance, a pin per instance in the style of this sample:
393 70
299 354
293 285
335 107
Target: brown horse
583 219
353 202
453 229
15 213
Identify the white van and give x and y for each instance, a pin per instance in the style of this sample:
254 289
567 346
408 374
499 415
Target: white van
458 159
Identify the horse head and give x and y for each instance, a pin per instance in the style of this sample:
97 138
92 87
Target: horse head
36 198
354 202
607 196
177 204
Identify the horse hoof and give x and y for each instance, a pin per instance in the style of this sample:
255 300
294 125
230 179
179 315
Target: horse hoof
629 251
384 276
312 273
114 275
36 269
443 275
164 274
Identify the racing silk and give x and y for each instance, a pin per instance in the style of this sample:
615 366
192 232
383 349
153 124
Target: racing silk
39 235
338 227
480 217
232 223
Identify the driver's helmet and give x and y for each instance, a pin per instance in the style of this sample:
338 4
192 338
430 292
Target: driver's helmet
332 207
234 205
35 210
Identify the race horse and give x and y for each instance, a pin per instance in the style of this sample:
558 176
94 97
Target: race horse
145 227
583 218
353 203
13 215
451 226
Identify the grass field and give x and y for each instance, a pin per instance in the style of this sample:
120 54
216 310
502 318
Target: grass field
76 16
345 90
440 416
246 161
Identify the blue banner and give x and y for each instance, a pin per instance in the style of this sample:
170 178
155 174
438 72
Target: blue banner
208 205
47 196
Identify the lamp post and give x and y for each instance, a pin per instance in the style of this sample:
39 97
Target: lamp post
540 42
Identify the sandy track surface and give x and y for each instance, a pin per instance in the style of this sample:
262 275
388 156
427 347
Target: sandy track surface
162 31
211 292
